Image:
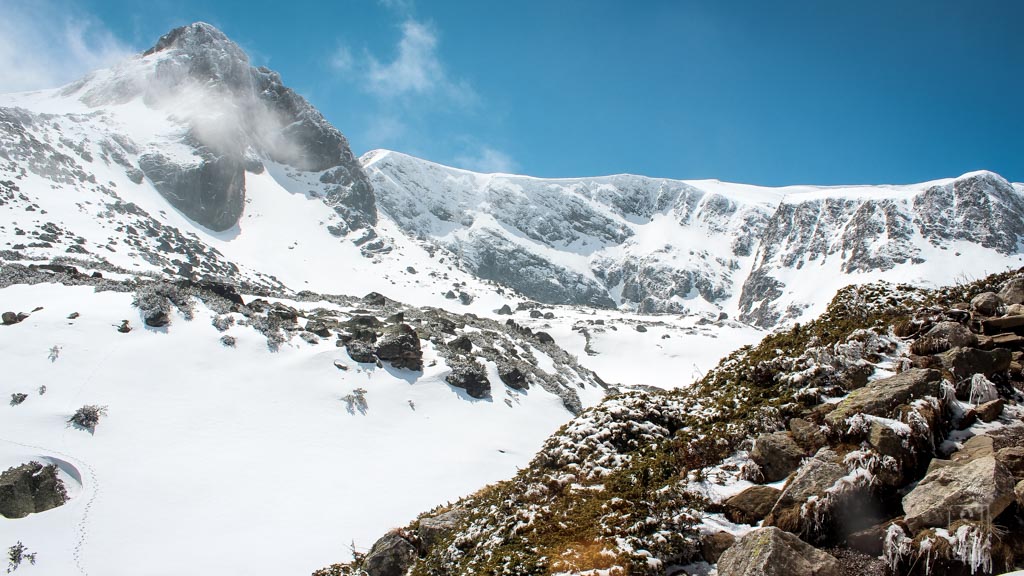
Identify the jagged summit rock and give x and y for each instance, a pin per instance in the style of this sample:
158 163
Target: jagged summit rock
232 117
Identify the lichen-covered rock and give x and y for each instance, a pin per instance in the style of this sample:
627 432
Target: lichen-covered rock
401 347
1012 292
433 528
965 362
392 555
813 481
471 377
776 455
881 397
953 334
30 488
713 545
773 552
751 505
979 488
987 303
360 351
807 434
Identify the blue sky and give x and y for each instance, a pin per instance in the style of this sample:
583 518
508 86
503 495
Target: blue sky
771 93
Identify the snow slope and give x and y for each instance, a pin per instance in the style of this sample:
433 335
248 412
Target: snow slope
219 460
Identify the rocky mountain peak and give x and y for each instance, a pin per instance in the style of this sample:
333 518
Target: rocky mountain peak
194 38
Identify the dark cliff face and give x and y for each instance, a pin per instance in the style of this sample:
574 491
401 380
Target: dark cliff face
246 114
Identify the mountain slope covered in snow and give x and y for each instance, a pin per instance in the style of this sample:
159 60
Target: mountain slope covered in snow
764 255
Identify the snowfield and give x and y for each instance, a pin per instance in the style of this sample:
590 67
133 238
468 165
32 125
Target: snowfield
218 460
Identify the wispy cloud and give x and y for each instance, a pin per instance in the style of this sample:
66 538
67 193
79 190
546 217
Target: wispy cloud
341 60
417 69
41 49
486 159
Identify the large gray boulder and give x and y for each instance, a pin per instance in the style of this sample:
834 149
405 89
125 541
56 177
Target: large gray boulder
777 455
987 303
773 552
1012 291
751 505
813 480
966 362
881 397
433 528
979 489
401 347
953 334
30 488
392 555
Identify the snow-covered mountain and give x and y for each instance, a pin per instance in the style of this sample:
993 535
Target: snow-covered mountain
186 171
765 255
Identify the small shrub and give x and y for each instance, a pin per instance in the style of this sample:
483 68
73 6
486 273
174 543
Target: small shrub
18 398
223 322
54 353
356 401
17 554
42 390
88 416
228 341
157 298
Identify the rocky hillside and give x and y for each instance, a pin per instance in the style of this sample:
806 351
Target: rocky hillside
885 436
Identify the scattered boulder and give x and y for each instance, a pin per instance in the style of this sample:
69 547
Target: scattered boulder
987 303
544 338
319 328
1012 292
869 541
471 377
10 318
512 376
124 328
712 546
536 314
954 334
965 362
970 488
360 351
813 480
375 299
462 343
30 488
807 434
990 411
882 396
773 552
751 505
401 347
1013 458
157 319
392 555
777 455
641 328
433 528
465 299
505 310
